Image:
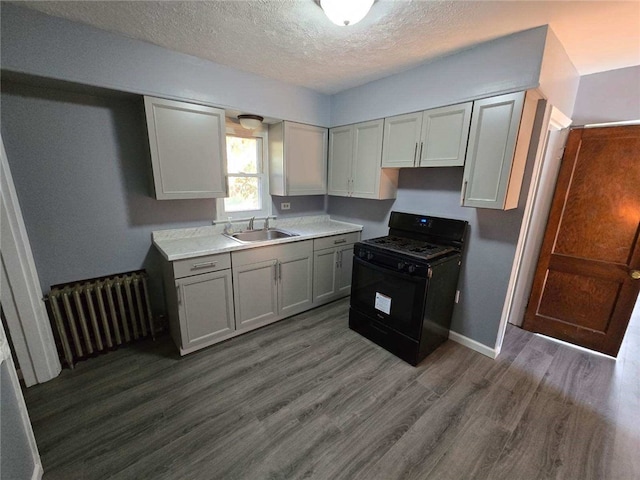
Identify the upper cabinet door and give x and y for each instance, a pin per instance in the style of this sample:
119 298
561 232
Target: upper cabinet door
297 159
367 159
305 148
445 132
340 159
490 154
188 149
401 140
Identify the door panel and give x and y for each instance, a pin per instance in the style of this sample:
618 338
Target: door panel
324 275
343 280
295 289
255 294
367 158
340 155
583 290
206 307
445 132
400 140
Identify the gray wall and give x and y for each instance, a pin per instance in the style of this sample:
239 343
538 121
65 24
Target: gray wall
490 244
41 45
612 96
507 64
81 168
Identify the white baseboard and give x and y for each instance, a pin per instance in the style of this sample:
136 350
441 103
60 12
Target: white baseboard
473 345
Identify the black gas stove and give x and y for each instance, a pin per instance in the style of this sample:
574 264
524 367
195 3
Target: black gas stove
404 284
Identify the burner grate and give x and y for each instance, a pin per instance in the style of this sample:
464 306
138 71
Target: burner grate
408 246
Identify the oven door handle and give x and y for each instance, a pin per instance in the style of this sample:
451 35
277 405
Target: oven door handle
388 271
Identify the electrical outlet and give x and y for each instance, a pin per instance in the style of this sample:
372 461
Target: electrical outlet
285 206
457 296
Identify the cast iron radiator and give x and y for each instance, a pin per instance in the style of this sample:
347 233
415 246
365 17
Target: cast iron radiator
94 316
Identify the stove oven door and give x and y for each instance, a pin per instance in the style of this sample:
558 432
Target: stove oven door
388 296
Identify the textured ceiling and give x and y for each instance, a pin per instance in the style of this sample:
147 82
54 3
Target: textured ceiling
293 41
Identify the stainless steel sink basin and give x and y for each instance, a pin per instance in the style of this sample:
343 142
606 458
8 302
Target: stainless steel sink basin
251 236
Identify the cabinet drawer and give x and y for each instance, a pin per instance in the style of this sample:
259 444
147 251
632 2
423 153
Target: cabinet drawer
335 240
197 265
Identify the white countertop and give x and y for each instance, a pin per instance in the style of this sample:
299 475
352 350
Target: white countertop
184 243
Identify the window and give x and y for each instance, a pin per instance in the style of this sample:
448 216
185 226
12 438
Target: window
246 174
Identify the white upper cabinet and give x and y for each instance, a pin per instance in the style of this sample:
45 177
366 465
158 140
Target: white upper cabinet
340 160
297 159
401 140
433 138
188 149
445 131
501 129
355 155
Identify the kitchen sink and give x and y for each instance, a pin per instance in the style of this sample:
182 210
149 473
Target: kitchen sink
251 236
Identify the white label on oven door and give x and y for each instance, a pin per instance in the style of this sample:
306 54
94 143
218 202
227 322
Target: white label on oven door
383 303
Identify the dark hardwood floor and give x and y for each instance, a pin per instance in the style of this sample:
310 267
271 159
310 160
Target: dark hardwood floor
308 398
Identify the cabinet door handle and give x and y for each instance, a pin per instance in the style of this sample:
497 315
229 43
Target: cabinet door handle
275 272
415 154
340 261
196 266
342 240
463 194
279 271
179 294
419 160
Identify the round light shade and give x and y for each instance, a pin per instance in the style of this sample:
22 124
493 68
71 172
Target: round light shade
346 12
250 122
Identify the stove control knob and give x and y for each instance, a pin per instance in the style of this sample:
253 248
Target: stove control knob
369 255
401 265
412 268
361 253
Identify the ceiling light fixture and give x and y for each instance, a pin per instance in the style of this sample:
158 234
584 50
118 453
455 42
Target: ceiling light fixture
346 12
250 122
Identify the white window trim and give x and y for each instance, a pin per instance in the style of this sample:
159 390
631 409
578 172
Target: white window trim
233 128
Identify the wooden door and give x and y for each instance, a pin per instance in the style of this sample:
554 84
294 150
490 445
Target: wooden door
584 290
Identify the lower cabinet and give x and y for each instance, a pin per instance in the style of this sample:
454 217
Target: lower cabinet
200 304
332 265
208 300
271 283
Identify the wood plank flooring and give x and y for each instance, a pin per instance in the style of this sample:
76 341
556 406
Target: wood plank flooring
307 398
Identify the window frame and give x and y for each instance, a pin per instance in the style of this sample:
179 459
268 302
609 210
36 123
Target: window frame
234 129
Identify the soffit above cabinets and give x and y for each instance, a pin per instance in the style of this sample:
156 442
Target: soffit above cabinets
296 43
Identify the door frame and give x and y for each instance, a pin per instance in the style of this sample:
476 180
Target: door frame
15 390
533 220
20 291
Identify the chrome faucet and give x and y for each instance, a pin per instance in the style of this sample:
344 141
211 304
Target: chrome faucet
266 223
251 223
